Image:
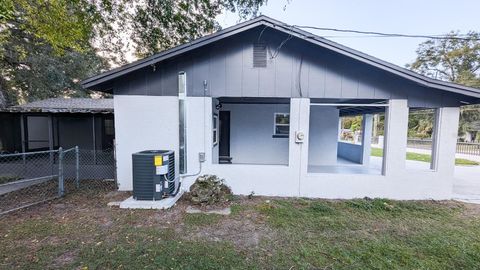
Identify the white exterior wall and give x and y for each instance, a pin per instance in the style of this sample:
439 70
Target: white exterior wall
141 123
251 134
323 135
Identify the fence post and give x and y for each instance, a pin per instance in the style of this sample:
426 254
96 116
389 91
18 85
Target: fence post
61 188
77 166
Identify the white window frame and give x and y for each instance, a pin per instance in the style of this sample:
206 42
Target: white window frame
215 129
275 124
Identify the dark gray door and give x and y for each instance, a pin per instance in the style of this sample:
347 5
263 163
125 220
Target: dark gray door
224 143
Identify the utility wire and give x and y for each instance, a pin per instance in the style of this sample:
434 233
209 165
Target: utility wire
380 34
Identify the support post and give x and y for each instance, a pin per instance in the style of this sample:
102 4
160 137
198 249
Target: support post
94 140
395 144
50 142
367 124
77 166
61 187
22 131
445 140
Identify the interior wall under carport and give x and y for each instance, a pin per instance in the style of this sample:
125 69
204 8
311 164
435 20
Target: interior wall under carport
252 139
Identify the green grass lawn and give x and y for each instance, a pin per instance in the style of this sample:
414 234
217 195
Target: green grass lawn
378 152
82 233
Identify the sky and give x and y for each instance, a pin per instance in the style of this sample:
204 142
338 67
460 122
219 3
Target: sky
426 17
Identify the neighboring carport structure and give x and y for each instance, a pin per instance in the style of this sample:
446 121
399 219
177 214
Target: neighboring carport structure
57 122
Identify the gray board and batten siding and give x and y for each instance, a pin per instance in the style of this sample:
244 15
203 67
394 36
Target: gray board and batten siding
296 69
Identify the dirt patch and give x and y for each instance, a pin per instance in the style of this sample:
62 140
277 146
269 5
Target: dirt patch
471 210
244 231
65 259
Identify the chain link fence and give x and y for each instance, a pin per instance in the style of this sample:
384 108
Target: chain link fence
30 178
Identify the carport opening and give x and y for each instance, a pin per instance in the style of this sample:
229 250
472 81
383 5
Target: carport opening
420 140
251 130
341 137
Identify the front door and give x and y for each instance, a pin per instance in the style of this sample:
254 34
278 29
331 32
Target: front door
224 142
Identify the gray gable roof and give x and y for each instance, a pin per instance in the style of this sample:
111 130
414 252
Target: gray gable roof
66 105
101 81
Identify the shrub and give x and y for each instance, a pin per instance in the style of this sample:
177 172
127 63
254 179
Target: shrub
209 189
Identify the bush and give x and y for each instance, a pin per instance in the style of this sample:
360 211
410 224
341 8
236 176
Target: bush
209 189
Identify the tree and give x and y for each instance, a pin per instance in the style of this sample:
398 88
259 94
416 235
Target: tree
162 24
48 46
456 60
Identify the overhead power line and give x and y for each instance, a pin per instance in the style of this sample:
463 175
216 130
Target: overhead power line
380 34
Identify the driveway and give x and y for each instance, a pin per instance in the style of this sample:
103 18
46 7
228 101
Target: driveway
466 186
467 183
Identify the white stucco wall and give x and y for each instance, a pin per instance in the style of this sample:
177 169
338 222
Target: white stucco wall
251 131
143 123
323 135
152 123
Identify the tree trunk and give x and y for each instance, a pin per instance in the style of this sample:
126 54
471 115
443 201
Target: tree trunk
3 101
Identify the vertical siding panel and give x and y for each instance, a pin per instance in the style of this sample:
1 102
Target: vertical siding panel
365 90
217 71
169 79
200 73
304 77
137 84
250 75
266 79
316 78
283 74
349 87
154 81
233 69
333 83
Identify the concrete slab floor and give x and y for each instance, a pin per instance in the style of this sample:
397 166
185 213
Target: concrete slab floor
166 203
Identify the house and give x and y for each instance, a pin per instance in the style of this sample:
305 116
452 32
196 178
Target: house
57 122
259 104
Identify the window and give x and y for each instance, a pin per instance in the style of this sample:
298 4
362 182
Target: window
281 125
215 129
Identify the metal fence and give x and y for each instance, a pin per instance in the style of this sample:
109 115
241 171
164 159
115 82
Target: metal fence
31 178
420 144
462 147
468 148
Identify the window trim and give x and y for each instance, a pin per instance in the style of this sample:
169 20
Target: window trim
275 134
215 129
